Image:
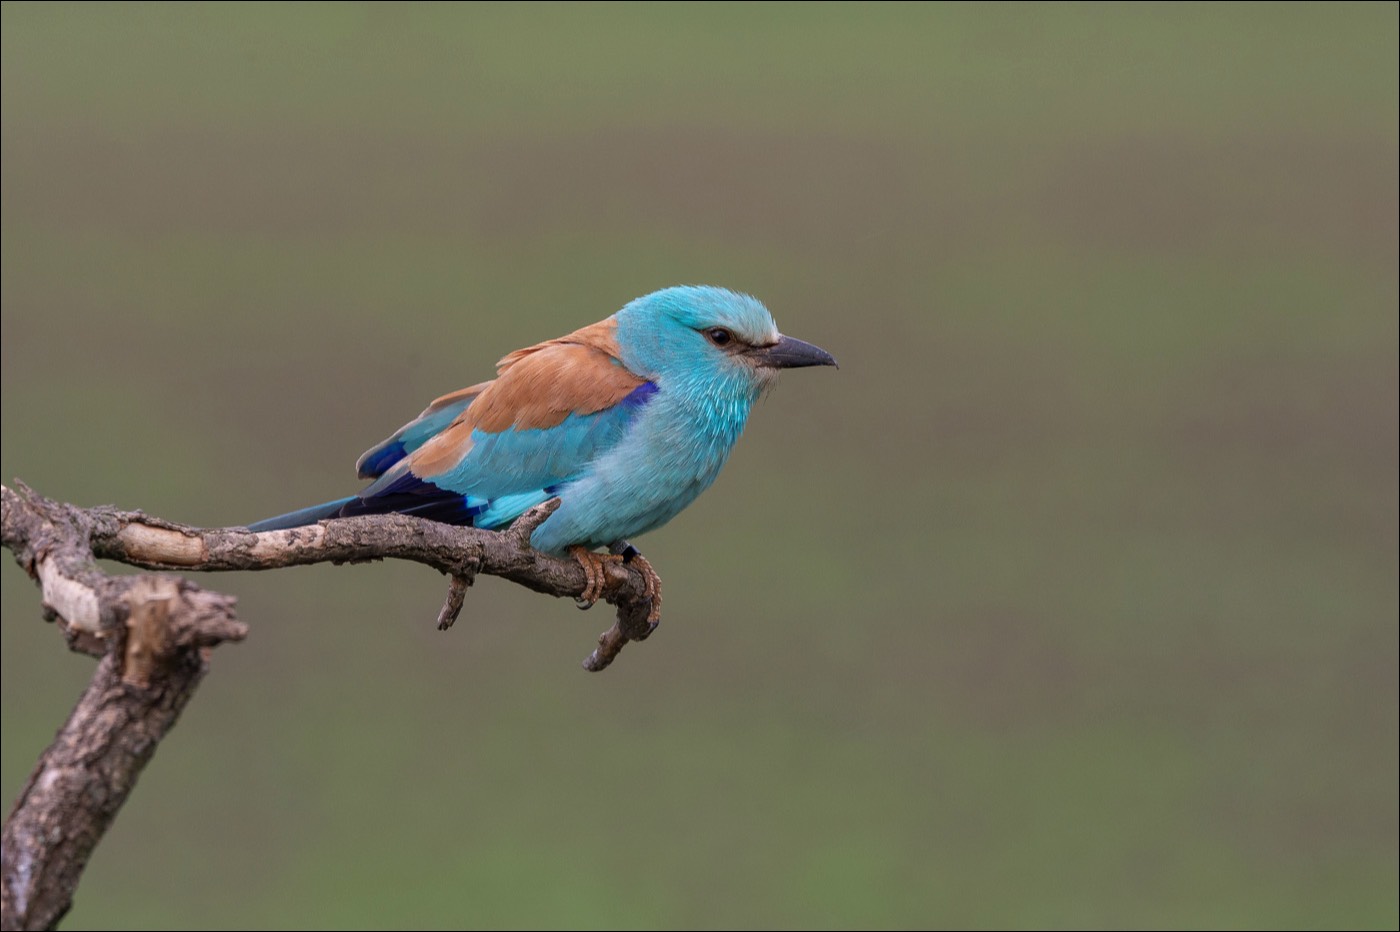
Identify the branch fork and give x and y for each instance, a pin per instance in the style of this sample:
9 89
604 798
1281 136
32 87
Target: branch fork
155 633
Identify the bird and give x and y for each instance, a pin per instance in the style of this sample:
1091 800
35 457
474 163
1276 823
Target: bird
626 421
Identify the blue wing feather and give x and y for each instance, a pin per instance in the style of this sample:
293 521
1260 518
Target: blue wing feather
377 460
402 492
505 473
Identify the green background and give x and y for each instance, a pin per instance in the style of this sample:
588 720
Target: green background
1069 600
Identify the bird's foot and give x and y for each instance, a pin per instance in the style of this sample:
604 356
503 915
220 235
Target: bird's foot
596 573
652 581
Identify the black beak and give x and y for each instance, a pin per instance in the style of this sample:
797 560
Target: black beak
788 353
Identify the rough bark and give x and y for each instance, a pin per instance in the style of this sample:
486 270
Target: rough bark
154 635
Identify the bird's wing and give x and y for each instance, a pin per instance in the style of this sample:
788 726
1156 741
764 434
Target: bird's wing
552 410
375 461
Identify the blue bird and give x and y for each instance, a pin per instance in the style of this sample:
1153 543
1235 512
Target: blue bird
626 421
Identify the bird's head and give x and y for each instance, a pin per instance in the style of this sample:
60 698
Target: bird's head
703 334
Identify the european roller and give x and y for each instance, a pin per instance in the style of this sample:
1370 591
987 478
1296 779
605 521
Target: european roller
625 421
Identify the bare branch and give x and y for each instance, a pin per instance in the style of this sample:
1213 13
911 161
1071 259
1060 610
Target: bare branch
138 539
154 635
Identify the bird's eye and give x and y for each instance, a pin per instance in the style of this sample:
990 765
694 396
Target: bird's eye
719 336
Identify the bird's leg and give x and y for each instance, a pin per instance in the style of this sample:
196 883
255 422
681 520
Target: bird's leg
595 572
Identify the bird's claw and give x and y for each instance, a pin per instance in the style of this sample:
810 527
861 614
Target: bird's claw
596 578
595 574
652 582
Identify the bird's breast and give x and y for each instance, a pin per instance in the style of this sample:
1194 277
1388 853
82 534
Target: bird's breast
673 452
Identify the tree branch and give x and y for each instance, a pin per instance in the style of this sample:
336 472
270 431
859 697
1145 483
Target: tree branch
154 635
141 540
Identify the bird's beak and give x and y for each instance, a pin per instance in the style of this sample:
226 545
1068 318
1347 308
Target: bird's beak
789 353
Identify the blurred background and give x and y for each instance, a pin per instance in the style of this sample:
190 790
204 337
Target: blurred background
1070 600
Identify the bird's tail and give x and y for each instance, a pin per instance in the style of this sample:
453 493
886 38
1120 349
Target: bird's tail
302 516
